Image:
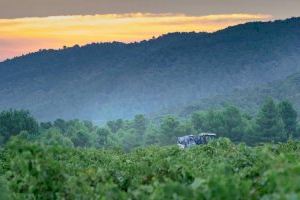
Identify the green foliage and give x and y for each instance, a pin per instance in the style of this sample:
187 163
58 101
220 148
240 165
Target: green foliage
76 160
53 136
46 125
5 194
12 122
198 120
269 122
275 122
139 124
102 137
250 99
219 170
114 126
168 130
228 122
121 80
80 139
234 124
289 117
61 124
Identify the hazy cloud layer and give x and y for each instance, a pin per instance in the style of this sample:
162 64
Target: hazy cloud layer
42 8
19 36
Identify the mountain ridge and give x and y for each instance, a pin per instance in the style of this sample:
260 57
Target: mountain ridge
152 39
116 80
248 99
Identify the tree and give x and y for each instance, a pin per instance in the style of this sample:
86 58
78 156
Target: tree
81 139
89 125
4 190
198 120
289 117
233 123
45 125
228 122
139 124
214 122
12 122
130 140
61 124
168 129
114 126
102 137
54 136
151 137
269 122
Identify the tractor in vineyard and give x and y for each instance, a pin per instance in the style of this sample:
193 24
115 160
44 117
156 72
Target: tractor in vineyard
192 140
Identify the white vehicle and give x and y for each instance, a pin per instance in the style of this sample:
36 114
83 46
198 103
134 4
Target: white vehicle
192 140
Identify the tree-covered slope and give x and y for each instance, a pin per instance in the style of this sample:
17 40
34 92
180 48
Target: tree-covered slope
249 99
116 80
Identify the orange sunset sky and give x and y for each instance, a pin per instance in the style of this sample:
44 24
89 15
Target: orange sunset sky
43 27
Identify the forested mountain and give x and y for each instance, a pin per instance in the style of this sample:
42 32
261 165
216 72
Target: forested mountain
249 99
115 80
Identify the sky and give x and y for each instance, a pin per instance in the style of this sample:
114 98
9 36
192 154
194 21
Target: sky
29 25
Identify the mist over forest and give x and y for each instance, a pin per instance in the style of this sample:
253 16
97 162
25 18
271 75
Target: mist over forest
182 116
108 81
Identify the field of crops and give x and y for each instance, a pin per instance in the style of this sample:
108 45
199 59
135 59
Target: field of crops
219 170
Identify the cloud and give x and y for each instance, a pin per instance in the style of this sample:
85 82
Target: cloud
43 8
22 35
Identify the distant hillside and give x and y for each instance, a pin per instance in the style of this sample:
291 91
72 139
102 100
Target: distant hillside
249 99
114 80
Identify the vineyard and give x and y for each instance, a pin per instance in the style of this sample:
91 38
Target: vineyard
158 100
218 170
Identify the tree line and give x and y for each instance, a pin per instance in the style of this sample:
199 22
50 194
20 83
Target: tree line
275 122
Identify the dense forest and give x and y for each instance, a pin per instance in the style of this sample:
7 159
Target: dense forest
254 157
248 99
107 81
71 125
275 122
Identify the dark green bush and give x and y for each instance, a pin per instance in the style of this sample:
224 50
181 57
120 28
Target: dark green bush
219 170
